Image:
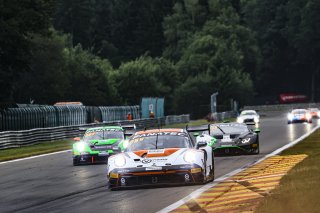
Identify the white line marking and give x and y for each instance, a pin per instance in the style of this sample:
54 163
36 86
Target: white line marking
36 156
199 191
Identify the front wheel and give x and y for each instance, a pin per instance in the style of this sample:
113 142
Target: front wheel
75 162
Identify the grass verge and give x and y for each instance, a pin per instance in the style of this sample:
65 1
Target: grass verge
37 149
299 190
59 145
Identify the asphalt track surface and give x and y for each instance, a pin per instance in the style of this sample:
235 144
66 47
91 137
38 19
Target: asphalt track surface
52 184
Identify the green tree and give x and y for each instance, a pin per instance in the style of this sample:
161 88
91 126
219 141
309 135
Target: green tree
19 21
145 77
89 77
46 81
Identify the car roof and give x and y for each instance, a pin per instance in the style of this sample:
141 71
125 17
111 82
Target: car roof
299 110
251 110
159 130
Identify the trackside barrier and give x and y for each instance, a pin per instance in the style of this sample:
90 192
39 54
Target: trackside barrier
282 107
221 116
11 139
174 119
23 118
114 113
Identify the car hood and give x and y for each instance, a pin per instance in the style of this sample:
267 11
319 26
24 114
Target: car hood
249 116
104 142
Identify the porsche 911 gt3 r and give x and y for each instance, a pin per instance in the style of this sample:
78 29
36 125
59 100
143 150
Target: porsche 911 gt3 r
98 144
231 138
299 115
161 157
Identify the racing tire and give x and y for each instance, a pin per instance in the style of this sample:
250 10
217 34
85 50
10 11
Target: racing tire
75 162
289 122
257 150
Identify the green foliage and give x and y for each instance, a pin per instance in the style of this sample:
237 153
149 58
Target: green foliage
145 77
89 78
19 21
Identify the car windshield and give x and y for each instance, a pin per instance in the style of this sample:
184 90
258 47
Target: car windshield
248 113
299 111
228 129
103 135
160 141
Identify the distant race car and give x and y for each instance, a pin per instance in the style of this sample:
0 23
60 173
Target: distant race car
231 138
315 112
161 157
99 143
248 117
299 115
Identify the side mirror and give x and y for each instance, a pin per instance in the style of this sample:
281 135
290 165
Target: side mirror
76 139
257 130
201 144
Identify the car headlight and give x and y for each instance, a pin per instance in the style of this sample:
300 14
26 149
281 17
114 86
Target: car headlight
120 161
290 116
81 146
256 120
190 157
308 116
125 143
246 140
239 120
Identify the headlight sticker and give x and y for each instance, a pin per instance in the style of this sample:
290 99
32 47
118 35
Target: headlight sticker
246 140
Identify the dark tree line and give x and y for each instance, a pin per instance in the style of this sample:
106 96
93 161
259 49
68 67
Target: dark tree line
113 52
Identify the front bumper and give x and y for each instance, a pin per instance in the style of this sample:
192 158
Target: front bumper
236 150
90 159
168 175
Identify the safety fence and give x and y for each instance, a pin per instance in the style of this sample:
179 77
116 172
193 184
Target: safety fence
11 139
24 118
174 119
282 107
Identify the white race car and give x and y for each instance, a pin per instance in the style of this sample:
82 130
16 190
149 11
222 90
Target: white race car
161 157
248 117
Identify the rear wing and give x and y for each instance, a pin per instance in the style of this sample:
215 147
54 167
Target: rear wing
128 126
197 129
129 132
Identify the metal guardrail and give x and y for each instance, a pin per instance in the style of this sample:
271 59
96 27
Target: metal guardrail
282 107
221 116
11 139
174 119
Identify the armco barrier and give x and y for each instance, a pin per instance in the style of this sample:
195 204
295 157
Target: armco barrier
11 139
282 107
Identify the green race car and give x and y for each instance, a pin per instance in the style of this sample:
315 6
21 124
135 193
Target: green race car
99 143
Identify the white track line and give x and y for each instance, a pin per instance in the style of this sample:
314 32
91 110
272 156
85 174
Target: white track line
37 156
199 191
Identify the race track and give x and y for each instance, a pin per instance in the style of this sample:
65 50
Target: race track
52 184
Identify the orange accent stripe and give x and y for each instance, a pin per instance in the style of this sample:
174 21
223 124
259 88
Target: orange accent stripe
166 152
140 152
